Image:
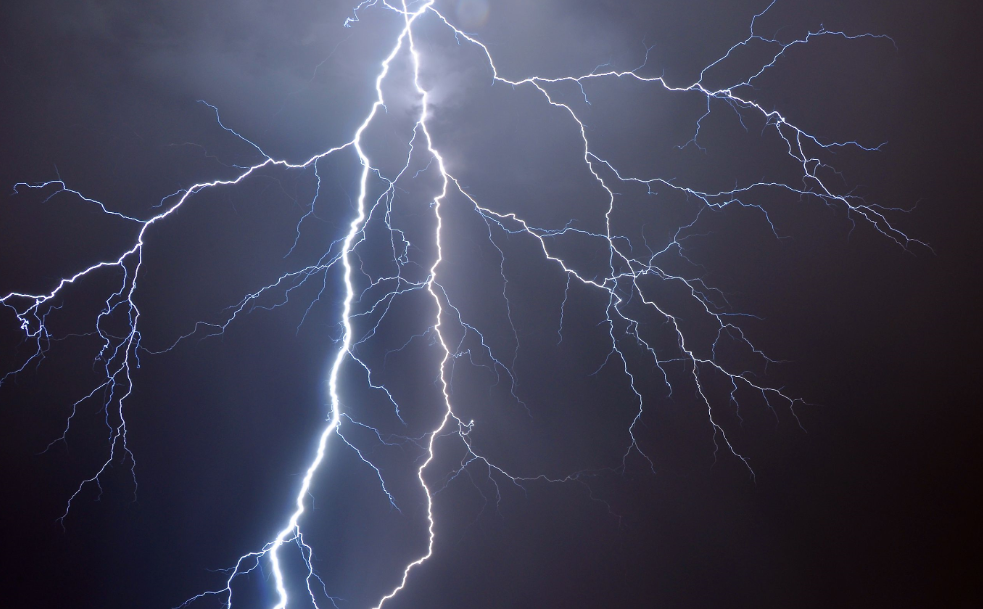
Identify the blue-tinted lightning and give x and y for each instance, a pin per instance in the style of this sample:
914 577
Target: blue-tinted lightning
628 284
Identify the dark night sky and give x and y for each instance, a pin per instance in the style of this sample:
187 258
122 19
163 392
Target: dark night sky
874 504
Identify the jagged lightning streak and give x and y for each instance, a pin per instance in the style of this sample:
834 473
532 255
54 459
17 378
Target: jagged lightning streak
620 285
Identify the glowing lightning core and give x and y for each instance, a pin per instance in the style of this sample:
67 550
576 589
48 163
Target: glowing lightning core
621 284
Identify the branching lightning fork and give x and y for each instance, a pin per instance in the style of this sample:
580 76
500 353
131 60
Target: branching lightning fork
621 284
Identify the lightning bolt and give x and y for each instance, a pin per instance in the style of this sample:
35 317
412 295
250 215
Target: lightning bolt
628 282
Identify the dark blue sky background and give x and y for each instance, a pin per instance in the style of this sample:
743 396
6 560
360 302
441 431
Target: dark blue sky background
872 505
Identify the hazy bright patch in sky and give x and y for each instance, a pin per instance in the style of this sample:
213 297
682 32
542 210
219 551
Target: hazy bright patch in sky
472 14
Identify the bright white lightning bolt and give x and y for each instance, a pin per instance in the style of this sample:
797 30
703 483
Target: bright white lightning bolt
621 283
